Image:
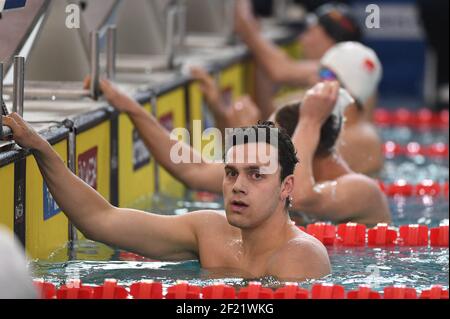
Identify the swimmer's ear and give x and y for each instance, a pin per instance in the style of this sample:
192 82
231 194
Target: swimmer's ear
287 188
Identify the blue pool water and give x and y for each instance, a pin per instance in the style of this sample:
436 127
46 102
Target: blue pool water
378 267
415 169
405 135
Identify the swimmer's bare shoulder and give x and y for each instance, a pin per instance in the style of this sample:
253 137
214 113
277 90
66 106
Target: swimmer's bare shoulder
212 222
302 258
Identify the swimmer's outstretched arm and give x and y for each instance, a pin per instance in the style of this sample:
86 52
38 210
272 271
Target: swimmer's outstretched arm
154 236
278 65
198 174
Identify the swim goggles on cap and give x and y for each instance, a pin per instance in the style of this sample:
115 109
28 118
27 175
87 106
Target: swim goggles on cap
327 75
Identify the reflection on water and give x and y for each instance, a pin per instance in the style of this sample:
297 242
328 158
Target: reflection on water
415 169
405 135
427 210
378 267
419 267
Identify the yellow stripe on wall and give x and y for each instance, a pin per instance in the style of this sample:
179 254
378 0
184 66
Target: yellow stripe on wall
44 234
172 105
7 196
134 183
233 79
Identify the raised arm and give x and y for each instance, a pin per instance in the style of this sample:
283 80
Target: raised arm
242 113
351 197
198 174
158 237
278 65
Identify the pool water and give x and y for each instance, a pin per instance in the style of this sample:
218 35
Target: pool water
404 135
379 267
415 169
352 267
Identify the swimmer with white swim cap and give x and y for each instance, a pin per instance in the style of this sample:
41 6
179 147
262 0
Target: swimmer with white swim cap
203 175
328 25
359 70
326 188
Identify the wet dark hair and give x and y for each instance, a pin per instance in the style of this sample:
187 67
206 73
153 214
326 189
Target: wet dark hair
288 117
287 155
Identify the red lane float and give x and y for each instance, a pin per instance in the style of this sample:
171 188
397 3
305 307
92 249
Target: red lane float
218 292
402 188
110 290
413 235
428 188
291 291
183 291
404 117
424 118
439 236
436 150
363 292
400 292
327 291
45 290
324 232
392 149
435 292
75 290
382 235
255 291
351 235
147 290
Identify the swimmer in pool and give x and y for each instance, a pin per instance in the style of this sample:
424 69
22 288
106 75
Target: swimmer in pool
328 25
326 188
255 236
358 69
329 55
351 204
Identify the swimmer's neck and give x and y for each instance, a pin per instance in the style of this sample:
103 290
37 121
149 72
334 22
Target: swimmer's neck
353 115
267 237
330 168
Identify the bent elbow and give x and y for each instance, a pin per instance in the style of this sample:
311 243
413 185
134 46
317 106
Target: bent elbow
304 202
276 75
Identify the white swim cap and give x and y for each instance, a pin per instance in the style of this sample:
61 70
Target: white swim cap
357 67
344 100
